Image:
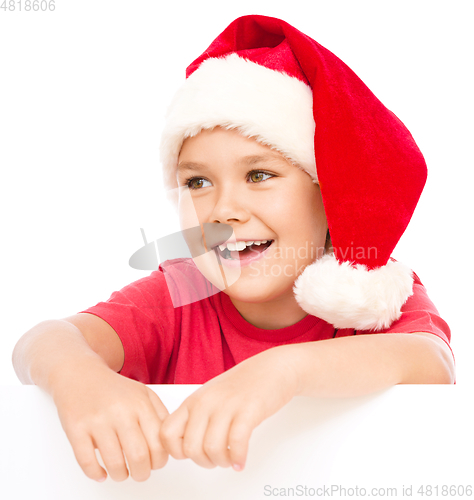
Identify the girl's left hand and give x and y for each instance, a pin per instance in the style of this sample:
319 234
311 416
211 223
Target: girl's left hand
213 426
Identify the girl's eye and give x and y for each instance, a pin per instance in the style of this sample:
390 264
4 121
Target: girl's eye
195 182
256 175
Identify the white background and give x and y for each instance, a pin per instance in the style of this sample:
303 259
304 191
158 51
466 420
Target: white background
83 91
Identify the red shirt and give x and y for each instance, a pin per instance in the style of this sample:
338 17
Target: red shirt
196 342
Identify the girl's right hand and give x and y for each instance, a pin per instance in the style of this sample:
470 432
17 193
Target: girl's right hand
118 416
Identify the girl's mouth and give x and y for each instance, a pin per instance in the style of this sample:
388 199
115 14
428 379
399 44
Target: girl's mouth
249 254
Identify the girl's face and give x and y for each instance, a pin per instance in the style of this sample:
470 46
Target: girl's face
237 181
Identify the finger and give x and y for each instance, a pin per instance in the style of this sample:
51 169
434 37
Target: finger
84 451
193 439
158 405
151 430
107 442
172 432
215 441
136 451
239 437
150 425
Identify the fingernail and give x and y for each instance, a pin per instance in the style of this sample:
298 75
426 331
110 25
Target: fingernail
237 467
102 479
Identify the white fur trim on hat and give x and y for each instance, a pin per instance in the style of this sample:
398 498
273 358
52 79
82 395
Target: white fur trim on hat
273 107
349 296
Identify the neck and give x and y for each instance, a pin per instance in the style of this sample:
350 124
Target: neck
278 313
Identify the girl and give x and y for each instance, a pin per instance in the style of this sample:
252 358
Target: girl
301 183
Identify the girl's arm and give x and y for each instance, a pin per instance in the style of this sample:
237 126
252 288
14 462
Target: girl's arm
43 354
215 434
75 361
361 364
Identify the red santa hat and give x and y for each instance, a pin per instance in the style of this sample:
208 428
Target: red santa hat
272 82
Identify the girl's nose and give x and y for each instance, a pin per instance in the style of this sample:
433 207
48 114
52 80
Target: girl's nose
230 205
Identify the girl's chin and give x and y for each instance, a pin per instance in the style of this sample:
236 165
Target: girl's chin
240 291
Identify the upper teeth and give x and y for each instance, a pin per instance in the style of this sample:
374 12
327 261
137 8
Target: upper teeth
240 245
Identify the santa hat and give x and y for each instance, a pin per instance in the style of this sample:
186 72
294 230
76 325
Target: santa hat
272 82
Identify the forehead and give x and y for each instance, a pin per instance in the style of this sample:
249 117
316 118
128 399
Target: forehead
222 144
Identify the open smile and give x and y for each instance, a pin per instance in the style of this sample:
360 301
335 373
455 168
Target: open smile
236 258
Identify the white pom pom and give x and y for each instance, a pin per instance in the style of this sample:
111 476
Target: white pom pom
349 296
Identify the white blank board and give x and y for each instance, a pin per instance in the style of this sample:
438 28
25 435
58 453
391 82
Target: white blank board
405 436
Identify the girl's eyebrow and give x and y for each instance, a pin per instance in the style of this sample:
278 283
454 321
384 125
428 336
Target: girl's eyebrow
248 160
266 158
191 165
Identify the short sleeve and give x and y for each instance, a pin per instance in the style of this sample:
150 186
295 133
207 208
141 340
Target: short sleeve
419 314
143 317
